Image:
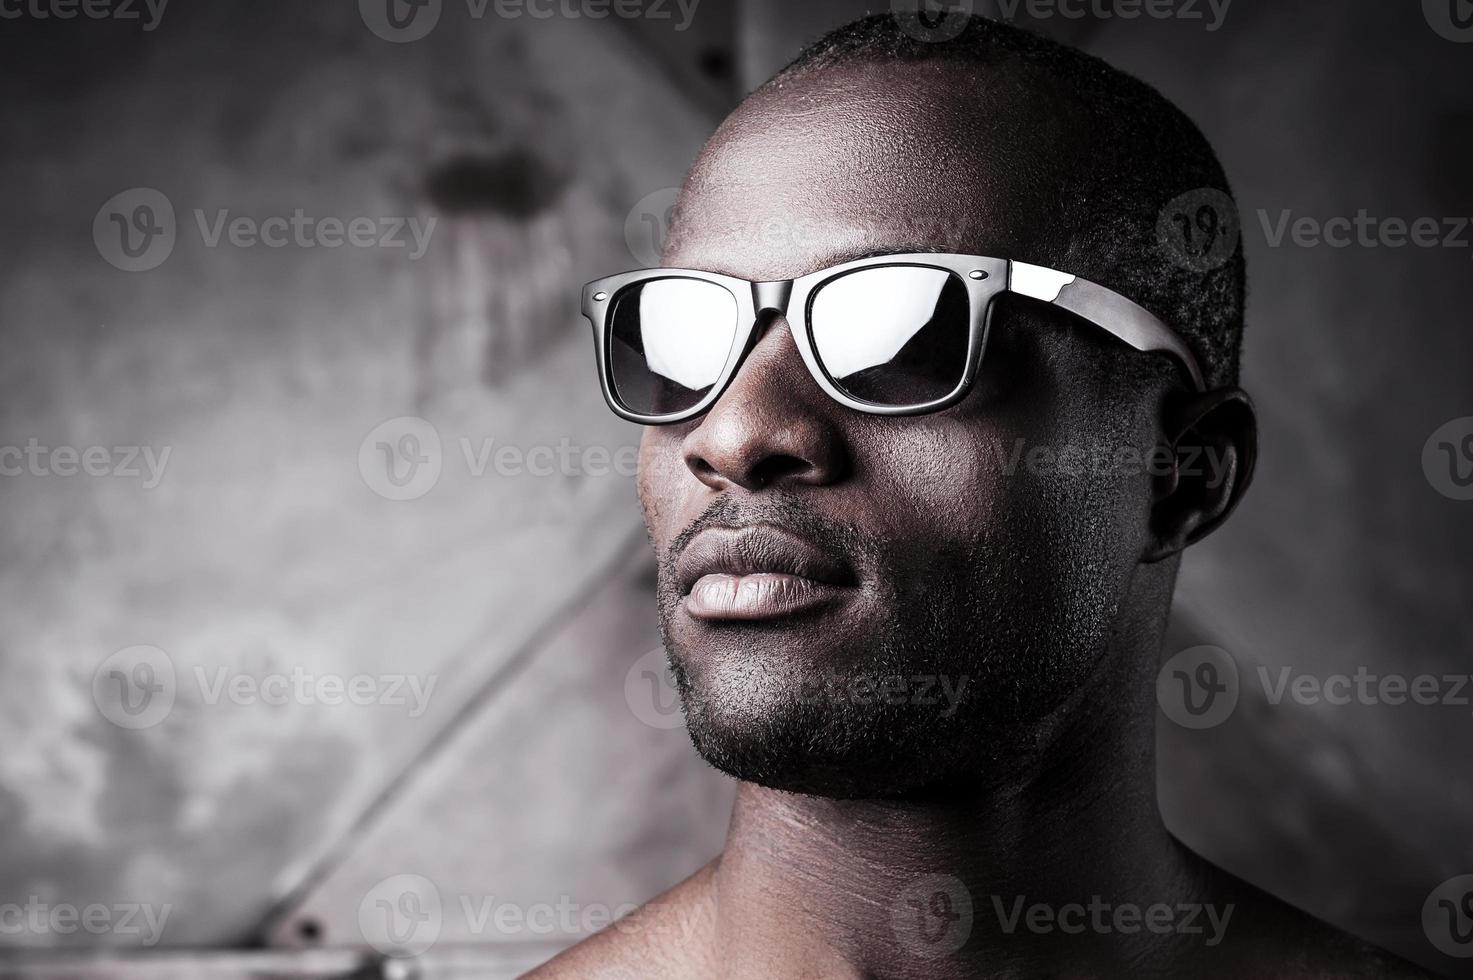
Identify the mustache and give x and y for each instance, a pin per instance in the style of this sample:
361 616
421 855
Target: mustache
782 510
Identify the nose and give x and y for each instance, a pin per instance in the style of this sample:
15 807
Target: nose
772 426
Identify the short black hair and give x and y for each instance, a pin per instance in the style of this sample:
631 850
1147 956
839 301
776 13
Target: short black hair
1145 155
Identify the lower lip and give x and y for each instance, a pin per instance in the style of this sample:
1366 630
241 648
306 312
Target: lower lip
761 595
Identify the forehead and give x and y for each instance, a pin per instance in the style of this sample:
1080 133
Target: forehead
867 158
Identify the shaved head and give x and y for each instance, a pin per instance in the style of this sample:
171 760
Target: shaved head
997 138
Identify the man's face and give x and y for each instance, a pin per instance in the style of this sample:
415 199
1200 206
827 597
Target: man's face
866 605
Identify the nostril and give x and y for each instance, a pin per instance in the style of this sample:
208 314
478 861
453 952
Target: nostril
765 471
701 468
777 467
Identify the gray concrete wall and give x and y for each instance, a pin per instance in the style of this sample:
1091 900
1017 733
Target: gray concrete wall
270 543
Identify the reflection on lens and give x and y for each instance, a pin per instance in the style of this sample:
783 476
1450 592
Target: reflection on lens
892 335
669 340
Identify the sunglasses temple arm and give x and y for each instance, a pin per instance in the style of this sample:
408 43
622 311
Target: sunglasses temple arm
1106 309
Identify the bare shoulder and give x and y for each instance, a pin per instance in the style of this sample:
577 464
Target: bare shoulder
667 937
671 938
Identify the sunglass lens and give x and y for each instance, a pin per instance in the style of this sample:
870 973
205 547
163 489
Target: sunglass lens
668 342
892 335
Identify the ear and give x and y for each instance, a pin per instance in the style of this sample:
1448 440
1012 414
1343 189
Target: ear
1209 451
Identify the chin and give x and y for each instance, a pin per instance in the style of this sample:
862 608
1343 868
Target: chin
828 722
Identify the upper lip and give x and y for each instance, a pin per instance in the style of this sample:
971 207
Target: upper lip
758 548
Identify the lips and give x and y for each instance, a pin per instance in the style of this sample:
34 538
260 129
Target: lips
758 572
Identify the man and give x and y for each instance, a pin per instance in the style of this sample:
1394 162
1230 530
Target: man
927 652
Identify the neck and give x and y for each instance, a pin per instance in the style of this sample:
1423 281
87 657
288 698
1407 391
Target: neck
812 886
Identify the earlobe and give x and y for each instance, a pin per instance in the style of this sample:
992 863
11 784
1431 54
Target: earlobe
1210 448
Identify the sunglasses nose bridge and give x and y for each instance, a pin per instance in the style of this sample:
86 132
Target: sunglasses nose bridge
772 296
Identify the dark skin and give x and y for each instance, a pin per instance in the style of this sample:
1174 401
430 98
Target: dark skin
1048 792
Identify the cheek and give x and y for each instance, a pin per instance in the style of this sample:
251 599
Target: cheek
953 483
662 481
935 481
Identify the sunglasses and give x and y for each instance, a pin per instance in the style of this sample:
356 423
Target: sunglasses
887 335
